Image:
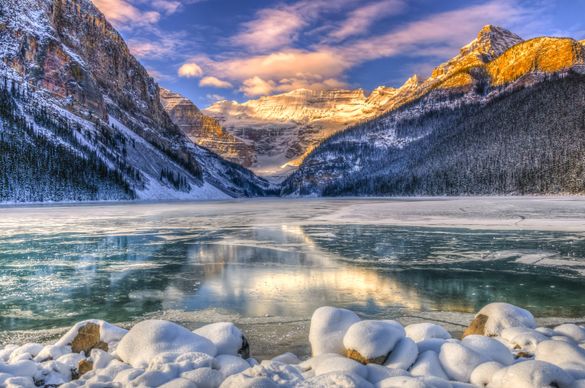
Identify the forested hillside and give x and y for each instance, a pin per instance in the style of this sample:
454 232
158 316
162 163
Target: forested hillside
527 141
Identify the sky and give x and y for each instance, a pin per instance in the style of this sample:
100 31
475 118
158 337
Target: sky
209 50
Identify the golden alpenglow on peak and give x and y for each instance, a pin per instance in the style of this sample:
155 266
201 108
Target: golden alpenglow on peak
545 55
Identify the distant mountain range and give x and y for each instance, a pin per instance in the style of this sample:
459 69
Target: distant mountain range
80 119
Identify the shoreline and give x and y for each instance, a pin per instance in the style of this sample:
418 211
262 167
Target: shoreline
273 335
501 346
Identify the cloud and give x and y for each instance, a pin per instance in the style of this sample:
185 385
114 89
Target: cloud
280 26
122 12
215 97
360 20
169 7
256 86
273 28
214 83
190 70
440 34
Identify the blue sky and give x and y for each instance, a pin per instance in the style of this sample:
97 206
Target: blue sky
242 49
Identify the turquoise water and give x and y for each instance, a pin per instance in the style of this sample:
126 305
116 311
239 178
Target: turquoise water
62 264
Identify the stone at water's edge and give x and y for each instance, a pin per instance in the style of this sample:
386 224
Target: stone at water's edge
476 326
88 337
495 317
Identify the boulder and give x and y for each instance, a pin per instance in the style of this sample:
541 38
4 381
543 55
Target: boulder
423 331
490 348
227 338
576 333
483 373
530 374
91 334
428 364
403 355
562 354
148 339
372 341
495 317
328 327
88 337
459 361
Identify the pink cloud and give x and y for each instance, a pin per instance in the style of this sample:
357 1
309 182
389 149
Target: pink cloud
122 12
190 70
214 83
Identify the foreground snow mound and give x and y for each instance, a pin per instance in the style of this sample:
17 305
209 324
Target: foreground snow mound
531 374
226 337
328 327
495 317
148 339
368 353
372 341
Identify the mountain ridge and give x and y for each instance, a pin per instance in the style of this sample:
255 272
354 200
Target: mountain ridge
369 157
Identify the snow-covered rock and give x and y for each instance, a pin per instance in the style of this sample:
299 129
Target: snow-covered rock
148 339
328 327
423 331
489 348
495 317
377 373
403 355
336 363
428 364
230 365
226 337
562 354
459 361
372 341
577 333
530 374
483 373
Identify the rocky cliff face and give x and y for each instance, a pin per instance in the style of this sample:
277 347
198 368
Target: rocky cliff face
206 131
66 68
493 120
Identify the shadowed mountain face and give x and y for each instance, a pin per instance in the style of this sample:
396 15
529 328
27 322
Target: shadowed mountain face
206 131
503 117
82 119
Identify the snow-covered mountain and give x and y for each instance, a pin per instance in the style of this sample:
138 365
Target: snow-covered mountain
81 119
504 116
284 128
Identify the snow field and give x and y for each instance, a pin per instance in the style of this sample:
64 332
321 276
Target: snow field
506 350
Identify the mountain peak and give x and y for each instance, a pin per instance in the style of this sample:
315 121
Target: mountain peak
491 42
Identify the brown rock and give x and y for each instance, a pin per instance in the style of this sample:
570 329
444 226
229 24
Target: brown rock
83 367
476 326
87 338
355 355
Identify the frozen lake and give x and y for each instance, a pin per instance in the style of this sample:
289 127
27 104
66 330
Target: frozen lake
266 260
